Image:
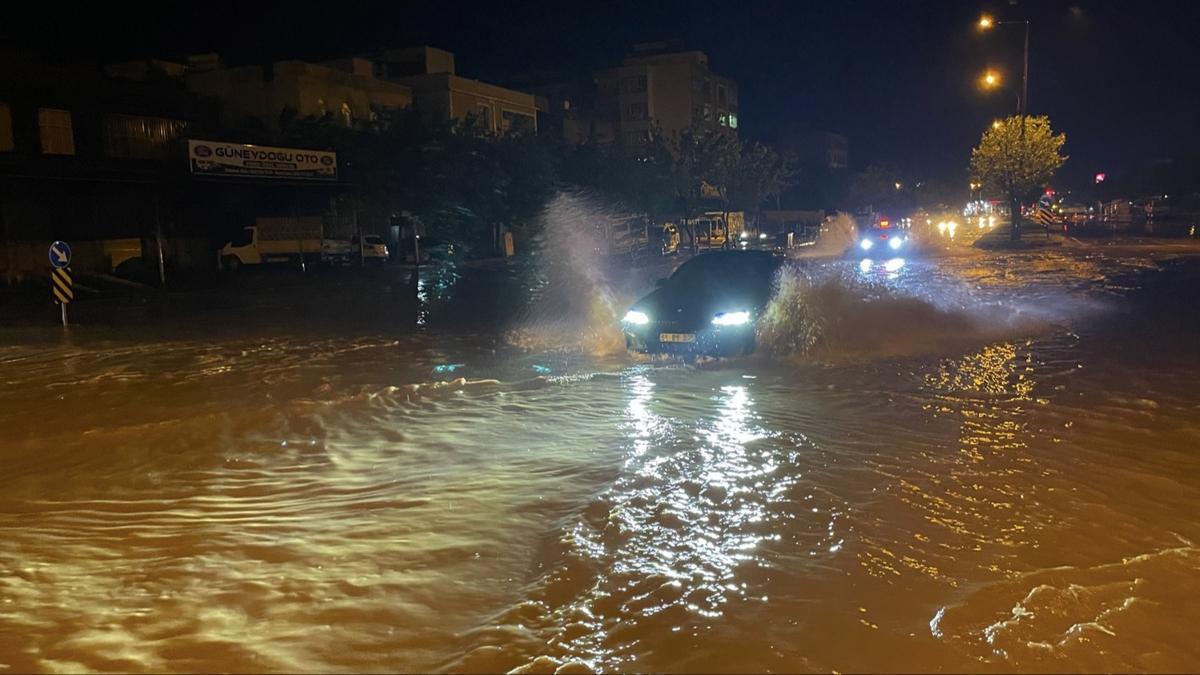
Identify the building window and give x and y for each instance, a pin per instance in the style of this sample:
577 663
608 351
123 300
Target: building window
54 128
6 135
484 111
137 137
732 120
634 85
636 111
721 95
708 114
347 114
516 123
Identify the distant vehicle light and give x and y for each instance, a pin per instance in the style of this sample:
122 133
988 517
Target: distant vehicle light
894 264
636 318
762 235
745 235
731 318
866 244
885 223
895 243
865 265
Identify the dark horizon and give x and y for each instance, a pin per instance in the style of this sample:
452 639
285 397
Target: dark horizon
897 80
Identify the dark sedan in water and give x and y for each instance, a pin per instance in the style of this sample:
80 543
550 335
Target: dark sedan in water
708 307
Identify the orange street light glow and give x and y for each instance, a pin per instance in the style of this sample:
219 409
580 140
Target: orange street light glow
986 22
991 78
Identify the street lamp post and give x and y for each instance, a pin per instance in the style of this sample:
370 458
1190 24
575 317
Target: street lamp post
986 23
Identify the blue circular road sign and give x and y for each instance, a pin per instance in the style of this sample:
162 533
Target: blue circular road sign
60 254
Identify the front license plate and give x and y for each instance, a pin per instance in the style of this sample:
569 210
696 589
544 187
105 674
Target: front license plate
676 337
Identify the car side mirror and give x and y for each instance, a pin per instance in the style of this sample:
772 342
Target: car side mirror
661 282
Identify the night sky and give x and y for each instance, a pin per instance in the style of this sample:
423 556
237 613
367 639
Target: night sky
1122 79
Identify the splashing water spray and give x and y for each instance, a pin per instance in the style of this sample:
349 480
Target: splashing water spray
572 306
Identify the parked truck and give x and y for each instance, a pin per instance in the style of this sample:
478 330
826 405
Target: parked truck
290 239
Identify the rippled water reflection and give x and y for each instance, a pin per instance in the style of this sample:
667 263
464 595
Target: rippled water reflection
1021 499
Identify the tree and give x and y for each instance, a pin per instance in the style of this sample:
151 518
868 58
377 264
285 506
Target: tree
705 165
639 180
458 177
881 186
1015 158
761 174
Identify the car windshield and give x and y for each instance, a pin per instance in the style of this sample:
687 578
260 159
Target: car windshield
728 266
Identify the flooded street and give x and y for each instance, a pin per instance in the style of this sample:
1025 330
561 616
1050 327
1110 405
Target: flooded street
977 462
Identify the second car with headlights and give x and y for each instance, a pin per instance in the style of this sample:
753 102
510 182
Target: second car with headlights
883 237
709 306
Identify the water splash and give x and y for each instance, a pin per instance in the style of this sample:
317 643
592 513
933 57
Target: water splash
837 235
832 314
573 305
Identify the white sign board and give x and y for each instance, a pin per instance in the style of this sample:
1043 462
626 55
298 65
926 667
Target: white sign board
214 158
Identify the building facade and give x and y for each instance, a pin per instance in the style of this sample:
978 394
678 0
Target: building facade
440 94
81 152
348 89
661 87
356 88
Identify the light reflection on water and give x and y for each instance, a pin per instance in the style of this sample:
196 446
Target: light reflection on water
1024 502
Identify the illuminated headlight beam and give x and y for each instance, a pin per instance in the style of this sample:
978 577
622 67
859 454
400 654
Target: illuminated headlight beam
636 318
731 318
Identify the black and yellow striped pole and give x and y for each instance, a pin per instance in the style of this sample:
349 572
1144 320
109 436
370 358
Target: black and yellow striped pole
60 276
60 286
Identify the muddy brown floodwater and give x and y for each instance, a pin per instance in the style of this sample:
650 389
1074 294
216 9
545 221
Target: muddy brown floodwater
976 463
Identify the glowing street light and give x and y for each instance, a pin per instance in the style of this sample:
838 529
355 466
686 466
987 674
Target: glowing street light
987 22
992 79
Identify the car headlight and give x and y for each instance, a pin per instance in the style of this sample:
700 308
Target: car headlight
866 244
731 318
894 243
635 317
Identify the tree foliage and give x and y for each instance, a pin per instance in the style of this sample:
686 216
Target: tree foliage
1016 158
462 180
458 178
882 187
